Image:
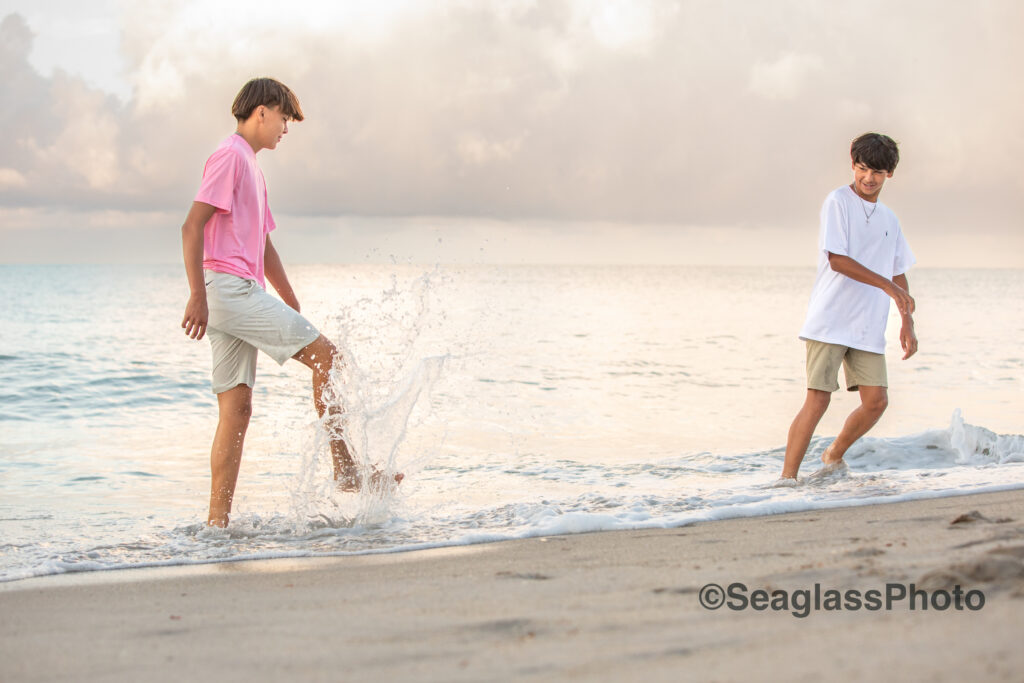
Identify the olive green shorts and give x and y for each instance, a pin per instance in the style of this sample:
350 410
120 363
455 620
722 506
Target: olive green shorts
862 368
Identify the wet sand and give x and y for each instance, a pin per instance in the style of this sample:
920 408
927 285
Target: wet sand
604 606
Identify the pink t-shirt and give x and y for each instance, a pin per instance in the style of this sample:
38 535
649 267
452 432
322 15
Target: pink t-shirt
236 235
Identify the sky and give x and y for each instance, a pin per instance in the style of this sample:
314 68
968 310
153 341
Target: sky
504 131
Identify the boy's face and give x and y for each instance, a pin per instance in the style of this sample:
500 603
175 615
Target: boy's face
867 182
273 125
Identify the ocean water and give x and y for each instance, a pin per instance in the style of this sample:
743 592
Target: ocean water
518 401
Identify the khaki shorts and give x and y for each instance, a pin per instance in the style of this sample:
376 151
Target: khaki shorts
862 368
244 318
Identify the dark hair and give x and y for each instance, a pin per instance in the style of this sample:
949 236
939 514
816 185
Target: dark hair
268 93
876 151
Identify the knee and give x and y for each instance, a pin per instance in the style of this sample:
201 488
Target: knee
818 400
237 413
327 362
876 405
318 356
324 361
237 416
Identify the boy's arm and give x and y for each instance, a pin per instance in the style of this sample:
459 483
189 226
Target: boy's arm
908 339
845 265
274 270
197 314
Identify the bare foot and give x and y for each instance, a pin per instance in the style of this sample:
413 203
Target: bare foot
826 457
380 482
219 522
837 468
830 465
350 481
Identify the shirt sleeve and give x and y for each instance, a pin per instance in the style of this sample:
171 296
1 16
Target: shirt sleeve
835 227
218 186
904 257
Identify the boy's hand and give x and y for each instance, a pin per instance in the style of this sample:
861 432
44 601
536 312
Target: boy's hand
904 302
908 340
197 313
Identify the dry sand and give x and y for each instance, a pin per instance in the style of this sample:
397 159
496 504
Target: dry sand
616 606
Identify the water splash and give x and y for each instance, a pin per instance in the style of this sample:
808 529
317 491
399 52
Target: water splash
979 446
375 405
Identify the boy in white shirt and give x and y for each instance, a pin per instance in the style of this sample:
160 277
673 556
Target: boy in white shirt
862 262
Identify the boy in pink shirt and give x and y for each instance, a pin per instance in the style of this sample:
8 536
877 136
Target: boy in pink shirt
228 253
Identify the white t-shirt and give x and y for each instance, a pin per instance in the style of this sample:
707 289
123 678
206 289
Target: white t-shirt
842 310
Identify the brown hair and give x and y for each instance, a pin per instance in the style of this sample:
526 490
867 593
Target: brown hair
876 151
268 93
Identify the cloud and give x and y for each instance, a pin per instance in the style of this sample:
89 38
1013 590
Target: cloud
626 24
10 177
786 77
65 135
562 110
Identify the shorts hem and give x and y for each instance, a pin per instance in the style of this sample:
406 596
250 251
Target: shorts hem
228 386
857 386
284 356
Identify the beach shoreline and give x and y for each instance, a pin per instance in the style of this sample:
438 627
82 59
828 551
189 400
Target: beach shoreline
605 605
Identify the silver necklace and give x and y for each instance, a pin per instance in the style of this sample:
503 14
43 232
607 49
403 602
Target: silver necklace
874 207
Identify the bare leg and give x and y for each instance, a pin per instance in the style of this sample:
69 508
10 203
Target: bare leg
226 455
802 429
873 402
319 357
